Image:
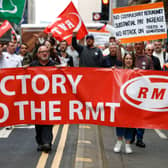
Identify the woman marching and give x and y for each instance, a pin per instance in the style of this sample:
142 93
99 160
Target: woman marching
125 133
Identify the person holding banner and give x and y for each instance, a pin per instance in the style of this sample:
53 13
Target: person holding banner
13 60
149 51
43 132
159 52
126 133
9 60
142 62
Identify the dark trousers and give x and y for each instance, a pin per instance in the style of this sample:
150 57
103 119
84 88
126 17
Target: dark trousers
139 132
127 133
43 134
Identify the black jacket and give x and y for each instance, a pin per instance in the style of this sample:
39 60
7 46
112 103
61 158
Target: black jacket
156 63
37 63
110 61
69 59
89 57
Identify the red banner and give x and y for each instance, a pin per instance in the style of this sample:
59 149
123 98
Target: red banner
5 27
125 98
66 22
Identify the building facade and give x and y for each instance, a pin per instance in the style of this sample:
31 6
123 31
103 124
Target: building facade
42 11
37 15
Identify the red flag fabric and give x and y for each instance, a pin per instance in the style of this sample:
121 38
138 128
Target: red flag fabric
65 23
4 27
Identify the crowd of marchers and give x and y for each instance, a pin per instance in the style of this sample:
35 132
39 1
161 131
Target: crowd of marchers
49 52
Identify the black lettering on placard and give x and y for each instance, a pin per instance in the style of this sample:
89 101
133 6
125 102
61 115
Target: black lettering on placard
124 24
152 26
131 15
155 19
119 33
116 17
140 31
129 32
153 12
156 31
140 21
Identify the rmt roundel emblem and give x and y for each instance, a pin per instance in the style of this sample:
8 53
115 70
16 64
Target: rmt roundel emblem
147 93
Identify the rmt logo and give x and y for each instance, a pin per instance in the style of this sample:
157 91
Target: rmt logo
147 93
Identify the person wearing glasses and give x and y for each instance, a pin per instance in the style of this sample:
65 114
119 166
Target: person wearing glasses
44 134
149 52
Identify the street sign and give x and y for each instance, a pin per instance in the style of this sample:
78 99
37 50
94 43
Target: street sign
96 16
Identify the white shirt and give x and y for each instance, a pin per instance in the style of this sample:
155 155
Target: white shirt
107 52
20 57
3 62
75 56
63 61
12 60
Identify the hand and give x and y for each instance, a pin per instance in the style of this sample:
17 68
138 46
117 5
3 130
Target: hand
61 65
74 33
25 66
64 54
49 34
136 68
36 36
118 42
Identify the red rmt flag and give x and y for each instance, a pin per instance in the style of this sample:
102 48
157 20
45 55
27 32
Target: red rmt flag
5 27
68 21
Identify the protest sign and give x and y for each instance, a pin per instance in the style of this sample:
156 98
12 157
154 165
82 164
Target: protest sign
140 23
101 37
124 98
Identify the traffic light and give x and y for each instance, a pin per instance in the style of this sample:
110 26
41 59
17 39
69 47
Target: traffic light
105 10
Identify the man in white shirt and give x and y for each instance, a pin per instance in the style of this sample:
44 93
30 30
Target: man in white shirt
159 53
13 60
10 60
